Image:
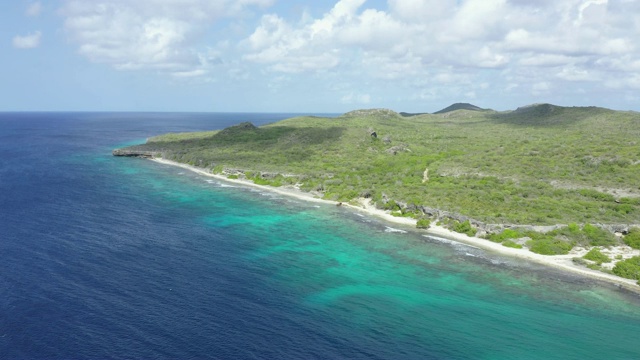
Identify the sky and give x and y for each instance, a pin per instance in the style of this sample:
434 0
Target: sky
321 56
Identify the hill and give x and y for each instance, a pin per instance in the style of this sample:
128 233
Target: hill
542 164
460 106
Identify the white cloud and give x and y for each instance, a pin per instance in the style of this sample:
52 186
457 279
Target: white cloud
34 9
421 10
516 43
353 98
29 41
574 73
159 35
512 47
540 88
189 74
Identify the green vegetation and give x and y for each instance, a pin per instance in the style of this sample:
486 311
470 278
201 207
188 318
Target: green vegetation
629 268
599 237
464 227
506 234
423 223
540 164
589 235
559 241
459 106
597 256
633 238
547 245
511 244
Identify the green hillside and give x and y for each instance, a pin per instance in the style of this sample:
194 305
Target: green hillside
540 164
459 106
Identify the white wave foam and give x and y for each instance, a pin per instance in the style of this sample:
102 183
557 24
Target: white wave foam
452 242
393 230
442 240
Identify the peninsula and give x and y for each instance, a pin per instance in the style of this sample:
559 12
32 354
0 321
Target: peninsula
557 185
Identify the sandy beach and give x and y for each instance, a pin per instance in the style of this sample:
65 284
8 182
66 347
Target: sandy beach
562 262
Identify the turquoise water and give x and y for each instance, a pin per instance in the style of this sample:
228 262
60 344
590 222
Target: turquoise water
105 257
407 290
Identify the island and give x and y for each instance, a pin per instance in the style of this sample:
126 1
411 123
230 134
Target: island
557 185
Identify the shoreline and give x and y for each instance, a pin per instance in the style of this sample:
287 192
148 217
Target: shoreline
560 262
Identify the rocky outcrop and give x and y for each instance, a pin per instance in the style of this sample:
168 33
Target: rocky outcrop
394 150
237 129
129 152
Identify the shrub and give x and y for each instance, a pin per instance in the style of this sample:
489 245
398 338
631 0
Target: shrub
573 228
629 268
549 246
505 235
599 237
464 228
572 231
597 256
423 223
511 244
217 169
633 238
594 266
391 205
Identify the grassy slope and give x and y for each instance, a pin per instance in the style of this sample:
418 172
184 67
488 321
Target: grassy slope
536 165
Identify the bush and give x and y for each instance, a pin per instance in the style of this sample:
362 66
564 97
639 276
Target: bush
572 232
633 238
511 244
594 267
505 235
218 169
391 205
423 223
599 237
464 228
596 256
549 246
590 235
629 268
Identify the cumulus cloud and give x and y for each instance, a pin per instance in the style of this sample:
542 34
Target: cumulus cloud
516 46
535 43
29 41
354 98
148 34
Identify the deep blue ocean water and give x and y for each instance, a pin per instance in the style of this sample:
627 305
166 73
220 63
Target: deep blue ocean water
104 257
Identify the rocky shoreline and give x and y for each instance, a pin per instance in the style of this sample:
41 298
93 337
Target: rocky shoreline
483 228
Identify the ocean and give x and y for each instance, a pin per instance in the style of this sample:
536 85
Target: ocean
104 257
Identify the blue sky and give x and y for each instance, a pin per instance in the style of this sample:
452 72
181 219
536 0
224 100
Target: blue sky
317 56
